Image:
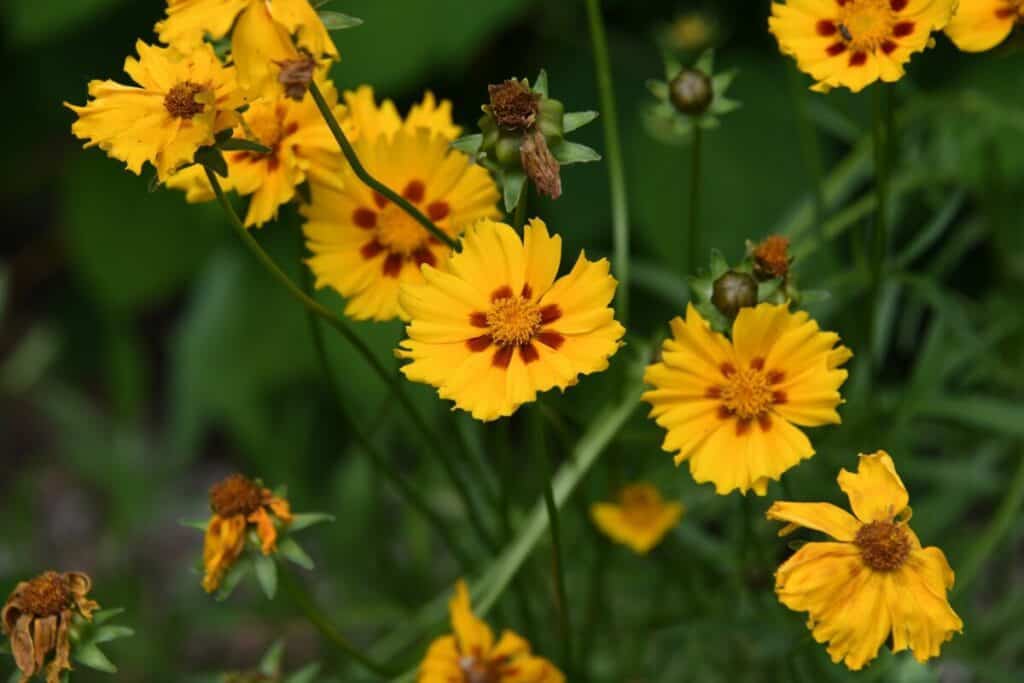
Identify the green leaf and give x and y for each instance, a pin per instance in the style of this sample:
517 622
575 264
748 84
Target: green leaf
719 265
201 525
336 21
266 574
234 577
308 519
92 657
243 144
211 158
105 634
540 86
306 674
270 665
981 412
575 120
573 153
293 552
470 144
512 184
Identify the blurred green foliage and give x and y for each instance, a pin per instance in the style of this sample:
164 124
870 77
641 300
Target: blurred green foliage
145 355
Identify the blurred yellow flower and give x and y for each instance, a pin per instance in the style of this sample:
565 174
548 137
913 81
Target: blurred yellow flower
854 43
495 327
640 519
178 106
264 32
471 655
732 408
364 246
980 25
301 148
238 502
874 579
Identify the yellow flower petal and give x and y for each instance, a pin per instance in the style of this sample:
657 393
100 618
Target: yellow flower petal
823 517
876 492
639 520
921 615
472 634
188 22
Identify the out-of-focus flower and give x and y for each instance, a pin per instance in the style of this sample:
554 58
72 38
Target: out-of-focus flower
640 518
980 25
691 32
771 258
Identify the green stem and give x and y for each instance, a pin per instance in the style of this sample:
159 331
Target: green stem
327 629
519 219
314 307
693 243
507 469
409 492
364 175
613 148
988 542
879 239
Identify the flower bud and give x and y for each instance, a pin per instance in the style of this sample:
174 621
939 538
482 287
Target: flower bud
691 92
734 291
771 258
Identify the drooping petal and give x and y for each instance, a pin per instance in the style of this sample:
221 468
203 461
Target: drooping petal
474 637
980 25
224 542
823 517
876 492
921 614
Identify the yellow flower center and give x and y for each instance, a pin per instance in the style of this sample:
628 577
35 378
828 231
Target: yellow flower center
747 393
884 545
180 101
477 670
866 24
399 232
513 321
640 504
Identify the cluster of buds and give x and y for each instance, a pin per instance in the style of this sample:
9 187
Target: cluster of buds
523 138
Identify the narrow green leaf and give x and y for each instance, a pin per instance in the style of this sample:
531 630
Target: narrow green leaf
242 144
266 574
308 519
306 674
195 524
336 21
270 665
470 144
513 183
105 634
92 657
981 412
292 551
718 264
575 120
233 578
573 153
658 88
211 158
541 85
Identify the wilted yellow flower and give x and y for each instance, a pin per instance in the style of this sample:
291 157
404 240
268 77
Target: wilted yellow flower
471 655
854 43
980 25
363 245
495 327
874 579
37 617
640 519
179 105
236 503
732 408
301 148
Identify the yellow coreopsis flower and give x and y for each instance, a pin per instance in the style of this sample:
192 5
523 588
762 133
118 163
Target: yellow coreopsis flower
178 105
364 246
874 579
640 518
471 655
732 408
301 148
854 43
980 25
263 33
238 502
496 327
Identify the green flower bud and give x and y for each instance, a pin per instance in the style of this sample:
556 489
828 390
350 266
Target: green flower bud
691 92
734 291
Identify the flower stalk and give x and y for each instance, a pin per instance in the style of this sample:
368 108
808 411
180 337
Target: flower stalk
693 241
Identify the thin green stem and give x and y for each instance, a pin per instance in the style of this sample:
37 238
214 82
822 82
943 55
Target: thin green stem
408 492
519 219
879 238
364 175
314 307
613 149
327 628
503 447
693 241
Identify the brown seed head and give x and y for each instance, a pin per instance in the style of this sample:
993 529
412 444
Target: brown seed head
47 595
691 92
296 75
236 495
884 545
734 291
541 165
180 101
513 105
771 257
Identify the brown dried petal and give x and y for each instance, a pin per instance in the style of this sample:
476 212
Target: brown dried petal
296 75
513 105
45 638
22 646
540 164
12 611
62 660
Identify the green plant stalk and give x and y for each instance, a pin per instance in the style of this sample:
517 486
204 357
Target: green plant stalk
878 240
314 307
693 240
327 629
519 219
380 460
369 180
616 167
522 596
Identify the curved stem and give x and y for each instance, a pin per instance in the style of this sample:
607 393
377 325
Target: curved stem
693 245
364 175
613 148
327 629
314 307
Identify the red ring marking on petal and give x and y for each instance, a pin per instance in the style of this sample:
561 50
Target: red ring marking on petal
713 392
477 344
503 356
550 314
365 218
424 255
1005 12
552 339
743 426
764 420
888 47
438 210
779 397
899 5
903 29
826 28
858 59
528 353
414 191
504 292
291 129
724 413
728 369
380 200
527 291
836 49
393 265
776 376
371 249
478 319
757 363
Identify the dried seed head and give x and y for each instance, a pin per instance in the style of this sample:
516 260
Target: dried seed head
884 545
513 105
296 75
734 291
236 495
771 258
47 595
691 92
540 164
180 101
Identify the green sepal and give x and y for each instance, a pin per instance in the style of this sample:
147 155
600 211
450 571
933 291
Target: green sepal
715 318
105 634
568 153
308 519
337 21
770 291
293 552
234 577
270 665
540 86
513 181
211 158
266 574
241 144
105 615
469 144
719 265
306 674
575 120
701 287
90 656
194 524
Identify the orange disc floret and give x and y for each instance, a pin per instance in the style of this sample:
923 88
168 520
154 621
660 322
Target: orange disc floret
44 596
771 257
236 495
